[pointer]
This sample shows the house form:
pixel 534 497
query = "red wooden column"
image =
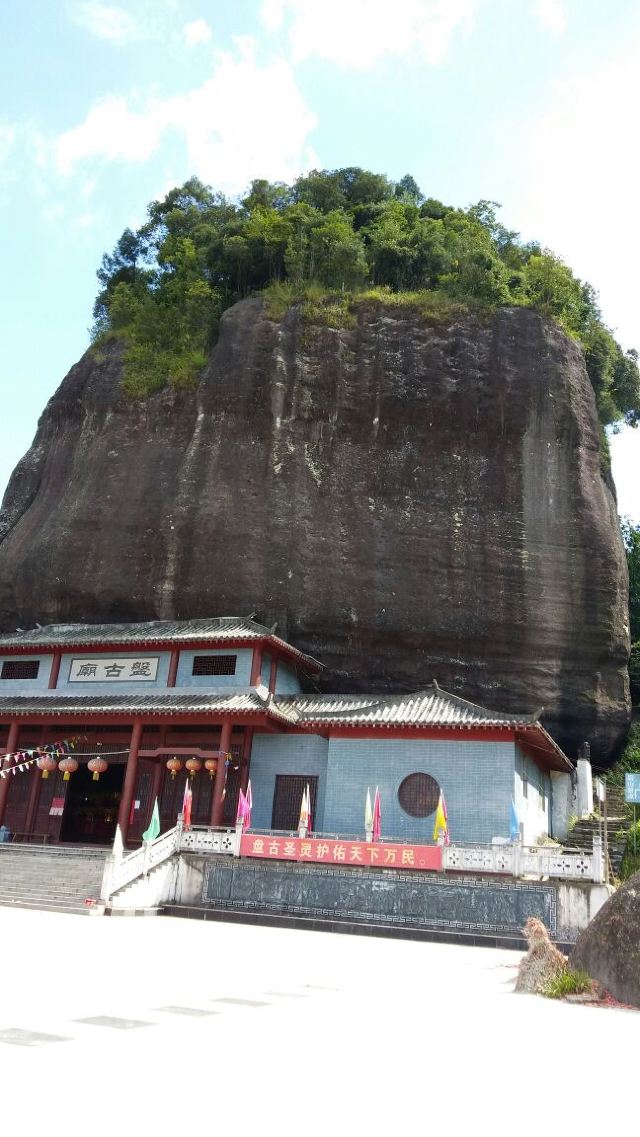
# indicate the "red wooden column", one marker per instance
pixel 217 799
pixel 129 780
pixel 246 758
pixel 55 670
pixel 256 666
pixel 173 667
pixel 12 744
pixel 34 792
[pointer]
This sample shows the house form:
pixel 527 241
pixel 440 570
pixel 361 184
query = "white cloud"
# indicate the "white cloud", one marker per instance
pixel 625 461
pixel 357 34
pixel 105 21
pixel 7 140
pixel 198 31
pixel 245 121
pixel 550 15
pixel 581 196
pixel 110 131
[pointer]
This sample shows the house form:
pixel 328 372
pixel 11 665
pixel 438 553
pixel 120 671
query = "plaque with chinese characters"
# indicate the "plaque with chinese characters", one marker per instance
pixel 106 670
pixel 343 853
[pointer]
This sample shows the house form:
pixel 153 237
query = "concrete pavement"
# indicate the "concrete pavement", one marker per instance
pixel 154 1024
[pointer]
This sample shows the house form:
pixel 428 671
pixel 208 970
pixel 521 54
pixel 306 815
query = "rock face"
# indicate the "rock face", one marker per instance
pixel 406 501
pixel 609 948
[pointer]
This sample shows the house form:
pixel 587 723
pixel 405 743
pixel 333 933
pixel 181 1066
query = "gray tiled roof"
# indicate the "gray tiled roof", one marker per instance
pixel 219 630
pixel 433 707
pixel 171 702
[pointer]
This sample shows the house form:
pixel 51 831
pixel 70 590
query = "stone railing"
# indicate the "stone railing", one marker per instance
pixel 506 860
pixel 121 871
pixel 527 860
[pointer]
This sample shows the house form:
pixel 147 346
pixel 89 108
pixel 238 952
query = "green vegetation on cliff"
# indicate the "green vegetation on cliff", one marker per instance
pixel 631 538
pixel 332 240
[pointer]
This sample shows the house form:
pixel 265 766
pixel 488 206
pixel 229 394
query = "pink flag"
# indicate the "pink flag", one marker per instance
pixel 310 819
pixel 248 802
pixel 377 816
pixel 447 838
pixel 186 804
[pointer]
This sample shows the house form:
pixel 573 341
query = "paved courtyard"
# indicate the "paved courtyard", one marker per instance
pixel 146 1025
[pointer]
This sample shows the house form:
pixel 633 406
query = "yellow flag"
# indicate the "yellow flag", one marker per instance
pixel 440 824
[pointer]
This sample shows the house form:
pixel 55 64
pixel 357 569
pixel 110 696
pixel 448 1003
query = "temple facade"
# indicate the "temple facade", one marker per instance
pixel 225 700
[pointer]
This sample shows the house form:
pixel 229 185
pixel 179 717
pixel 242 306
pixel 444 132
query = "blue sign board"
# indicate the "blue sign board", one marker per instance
pixel 632 788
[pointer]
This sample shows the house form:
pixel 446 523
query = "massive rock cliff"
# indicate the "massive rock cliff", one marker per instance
pixel 406 501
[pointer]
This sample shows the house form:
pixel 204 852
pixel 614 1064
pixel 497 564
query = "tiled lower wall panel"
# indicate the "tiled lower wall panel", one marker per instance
pixel 383 896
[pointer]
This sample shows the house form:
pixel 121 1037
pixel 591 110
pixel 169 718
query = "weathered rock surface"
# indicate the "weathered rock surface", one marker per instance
pixel 609 948
pixel 407 502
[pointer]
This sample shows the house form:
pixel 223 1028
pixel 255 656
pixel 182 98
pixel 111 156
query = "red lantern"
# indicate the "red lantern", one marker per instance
pixel 97 766
pixel 174 765
pixel 47 764
pixel 211 765
pixel 193 765
pixel 68 767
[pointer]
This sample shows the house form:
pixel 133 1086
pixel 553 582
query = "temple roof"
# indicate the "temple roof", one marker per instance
pixel 222 629
pixel 169 702
pixel 433 707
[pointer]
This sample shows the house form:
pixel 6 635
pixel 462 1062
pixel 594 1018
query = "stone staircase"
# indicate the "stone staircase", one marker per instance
pixel 59 878
pixel 586 828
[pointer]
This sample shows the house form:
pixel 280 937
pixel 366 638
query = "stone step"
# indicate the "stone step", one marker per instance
pixel 56 880
pixel 52 887
pixel 353 927
pixel 44 904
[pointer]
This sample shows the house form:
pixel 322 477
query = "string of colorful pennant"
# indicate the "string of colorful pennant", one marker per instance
pixel 23 759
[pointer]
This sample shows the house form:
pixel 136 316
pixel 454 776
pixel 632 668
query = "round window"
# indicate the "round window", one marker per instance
pixel 418 795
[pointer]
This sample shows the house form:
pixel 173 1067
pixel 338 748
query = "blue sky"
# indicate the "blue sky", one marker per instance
pixel 103 107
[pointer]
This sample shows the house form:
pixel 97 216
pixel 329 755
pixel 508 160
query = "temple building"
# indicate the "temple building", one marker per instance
pixel 141 705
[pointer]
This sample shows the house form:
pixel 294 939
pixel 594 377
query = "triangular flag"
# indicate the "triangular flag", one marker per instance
pixel 377 816
pixel 514 824
pixel 118 845
pixel 248 805
pixel 187 802
pixel 368 813
pixel 440 824
pixel 153 831
pixel 303 821
pixel 241 811
pixel 310 819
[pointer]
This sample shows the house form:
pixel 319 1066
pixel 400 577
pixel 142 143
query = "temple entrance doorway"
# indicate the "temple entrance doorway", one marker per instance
pixel 91 808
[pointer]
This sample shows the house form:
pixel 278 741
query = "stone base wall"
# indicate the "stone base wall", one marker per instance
pixel 385 897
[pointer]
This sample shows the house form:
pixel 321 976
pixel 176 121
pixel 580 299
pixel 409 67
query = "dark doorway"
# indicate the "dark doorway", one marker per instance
pixel 287 800
pixel 91 808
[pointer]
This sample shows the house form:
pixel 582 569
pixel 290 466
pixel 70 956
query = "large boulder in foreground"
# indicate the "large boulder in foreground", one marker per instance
pixel 609 948
pixel 406 501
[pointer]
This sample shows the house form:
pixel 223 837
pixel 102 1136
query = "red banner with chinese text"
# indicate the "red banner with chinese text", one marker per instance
pixel 329 851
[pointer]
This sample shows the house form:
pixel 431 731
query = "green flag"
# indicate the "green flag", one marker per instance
pixel 153 831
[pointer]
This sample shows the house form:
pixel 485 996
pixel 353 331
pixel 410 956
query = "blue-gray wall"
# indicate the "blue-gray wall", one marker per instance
pixel 287 682
pixel 475 777
pixel 9 687
pixel 273 754
pixel 241 679
pixel 532 796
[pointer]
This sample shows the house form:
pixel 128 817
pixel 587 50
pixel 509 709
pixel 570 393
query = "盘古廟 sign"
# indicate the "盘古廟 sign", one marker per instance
pixel 113 670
